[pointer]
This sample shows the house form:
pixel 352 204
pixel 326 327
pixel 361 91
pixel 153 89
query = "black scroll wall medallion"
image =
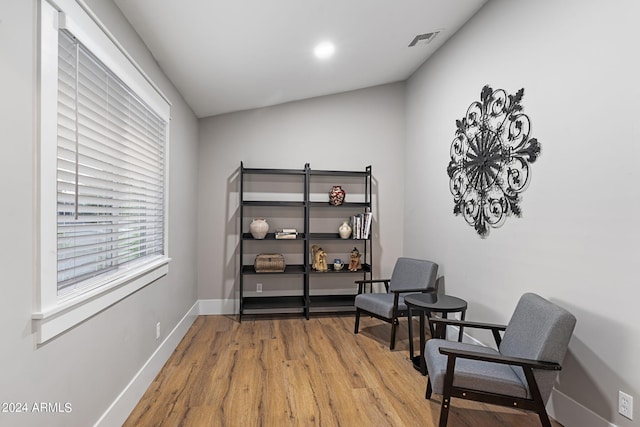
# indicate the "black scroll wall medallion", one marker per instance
pixel 491 157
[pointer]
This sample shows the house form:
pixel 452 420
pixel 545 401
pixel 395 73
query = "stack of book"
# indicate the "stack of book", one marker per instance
pixel 287 233
pixel 361 225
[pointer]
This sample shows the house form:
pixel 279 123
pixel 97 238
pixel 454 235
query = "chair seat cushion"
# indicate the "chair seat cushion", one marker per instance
pixel 472 374
pixel 379 303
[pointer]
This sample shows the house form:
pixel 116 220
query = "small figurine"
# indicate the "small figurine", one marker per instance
pixel 319 258
pixel 314 249
pixel 354 262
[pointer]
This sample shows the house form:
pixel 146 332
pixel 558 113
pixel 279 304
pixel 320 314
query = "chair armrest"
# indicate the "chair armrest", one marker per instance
pixel 372 281
pixel 499 358
pixel 420 290
pixel 361 284
pixel 467 324
pixel 495 329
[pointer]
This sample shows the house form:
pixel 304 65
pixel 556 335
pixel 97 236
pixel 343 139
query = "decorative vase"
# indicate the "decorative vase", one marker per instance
pixel 259 228
pixel 344 230
pixel 336 195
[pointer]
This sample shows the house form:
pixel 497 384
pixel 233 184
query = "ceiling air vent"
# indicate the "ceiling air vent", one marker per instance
pixel 424 38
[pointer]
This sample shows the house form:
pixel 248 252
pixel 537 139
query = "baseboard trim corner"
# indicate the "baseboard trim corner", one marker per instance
pixel 209 307
pixel 121 408
pixel 570 413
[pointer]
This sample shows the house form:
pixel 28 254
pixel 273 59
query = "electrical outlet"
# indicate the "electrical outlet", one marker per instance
pixel 158 330
pixel 625 405
pixel 258 287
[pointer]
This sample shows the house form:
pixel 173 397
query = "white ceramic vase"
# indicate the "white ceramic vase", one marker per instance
pixel 259 228
pixel 345 230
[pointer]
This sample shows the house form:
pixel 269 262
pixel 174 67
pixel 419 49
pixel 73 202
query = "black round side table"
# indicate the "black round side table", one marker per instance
pixel 425 304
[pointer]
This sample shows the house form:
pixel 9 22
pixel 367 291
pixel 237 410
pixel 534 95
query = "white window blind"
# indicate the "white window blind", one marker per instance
pixel 110 172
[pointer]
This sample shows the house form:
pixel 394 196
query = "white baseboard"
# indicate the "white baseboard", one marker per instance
pixel 452 334
pixel 119 410
pixel 570 413
pixel 218 306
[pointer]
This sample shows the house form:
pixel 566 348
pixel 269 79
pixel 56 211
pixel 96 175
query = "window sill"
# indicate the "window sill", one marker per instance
pixel 53 321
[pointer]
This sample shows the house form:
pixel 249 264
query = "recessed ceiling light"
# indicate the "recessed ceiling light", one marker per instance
pixel 324 50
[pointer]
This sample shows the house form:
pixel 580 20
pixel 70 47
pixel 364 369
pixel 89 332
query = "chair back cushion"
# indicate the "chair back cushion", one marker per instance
pixel 412 274
pixel 538 330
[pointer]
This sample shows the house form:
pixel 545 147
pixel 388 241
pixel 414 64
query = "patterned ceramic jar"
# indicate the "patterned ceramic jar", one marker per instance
pixel 336 195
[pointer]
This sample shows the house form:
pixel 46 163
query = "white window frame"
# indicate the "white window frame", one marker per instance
pixel 53 314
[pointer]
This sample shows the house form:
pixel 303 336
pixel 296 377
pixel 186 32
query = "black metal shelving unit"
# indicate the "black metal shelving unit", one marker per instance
pixel 323 302
pixel 310 299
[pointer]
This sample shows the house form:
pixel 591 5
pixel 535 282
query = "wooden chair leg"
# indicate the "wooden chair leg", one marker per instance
pixel 355 331
pixel 544 418
pixel 444 411
pixel 394 326
pixel 446 391
pixel 537 398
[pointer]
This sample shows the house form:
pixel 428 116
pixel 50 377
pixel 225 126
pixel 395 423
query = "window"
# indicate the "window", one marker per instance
pixel 110 171
pixel 103 140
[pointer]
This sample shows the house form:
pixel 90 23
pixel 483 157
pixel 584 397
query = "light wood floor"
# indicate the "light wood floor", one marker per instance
pixel 288 371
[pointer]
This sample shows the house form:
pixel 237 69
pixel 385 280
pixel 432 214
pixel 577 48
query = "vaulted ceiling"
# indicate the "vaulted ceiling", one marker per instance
pixel 226 56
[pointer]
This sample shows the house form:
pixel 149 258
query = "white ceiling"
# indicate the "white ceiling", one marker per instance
pixel 226 55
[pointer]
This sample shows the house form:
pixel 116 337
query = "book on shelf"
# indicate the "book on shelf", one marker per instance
pixel 361 225
pixel 355 227
pixel 366 227
pixel 286 236
pixel 287 233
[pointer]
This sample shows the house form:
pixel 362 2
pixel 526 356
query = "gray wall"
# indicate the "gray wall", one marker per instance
pixel 89 365
pixel 577 240
pixel 340 132
pixel 575 244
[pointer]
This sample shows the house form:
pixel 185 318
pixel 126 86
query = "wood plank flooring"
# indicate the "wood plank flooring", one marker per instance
pixel 288 371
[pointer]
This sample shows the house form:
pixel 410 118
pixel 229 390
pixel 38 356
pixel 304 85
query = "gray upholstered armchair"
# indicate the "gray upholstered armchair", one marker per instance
pixel 520 374
pixel 409 276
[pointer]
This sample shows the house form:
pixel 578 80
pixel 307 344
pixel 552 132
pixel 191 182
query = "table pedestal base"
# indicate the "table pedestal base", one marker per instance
pixel 425 304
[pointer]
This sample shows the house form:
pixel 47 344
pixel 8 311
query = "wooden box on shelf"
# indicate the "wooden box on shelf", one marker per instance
pixel 269 263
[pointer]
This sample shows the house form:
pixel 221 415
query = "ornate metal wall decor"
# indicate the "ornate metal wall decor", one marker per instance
pixel 491 157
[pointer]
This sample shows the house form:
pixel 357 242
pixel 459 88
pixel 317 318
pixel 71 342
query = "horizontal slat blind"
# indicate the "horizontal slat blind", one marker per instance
pixel 110 171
